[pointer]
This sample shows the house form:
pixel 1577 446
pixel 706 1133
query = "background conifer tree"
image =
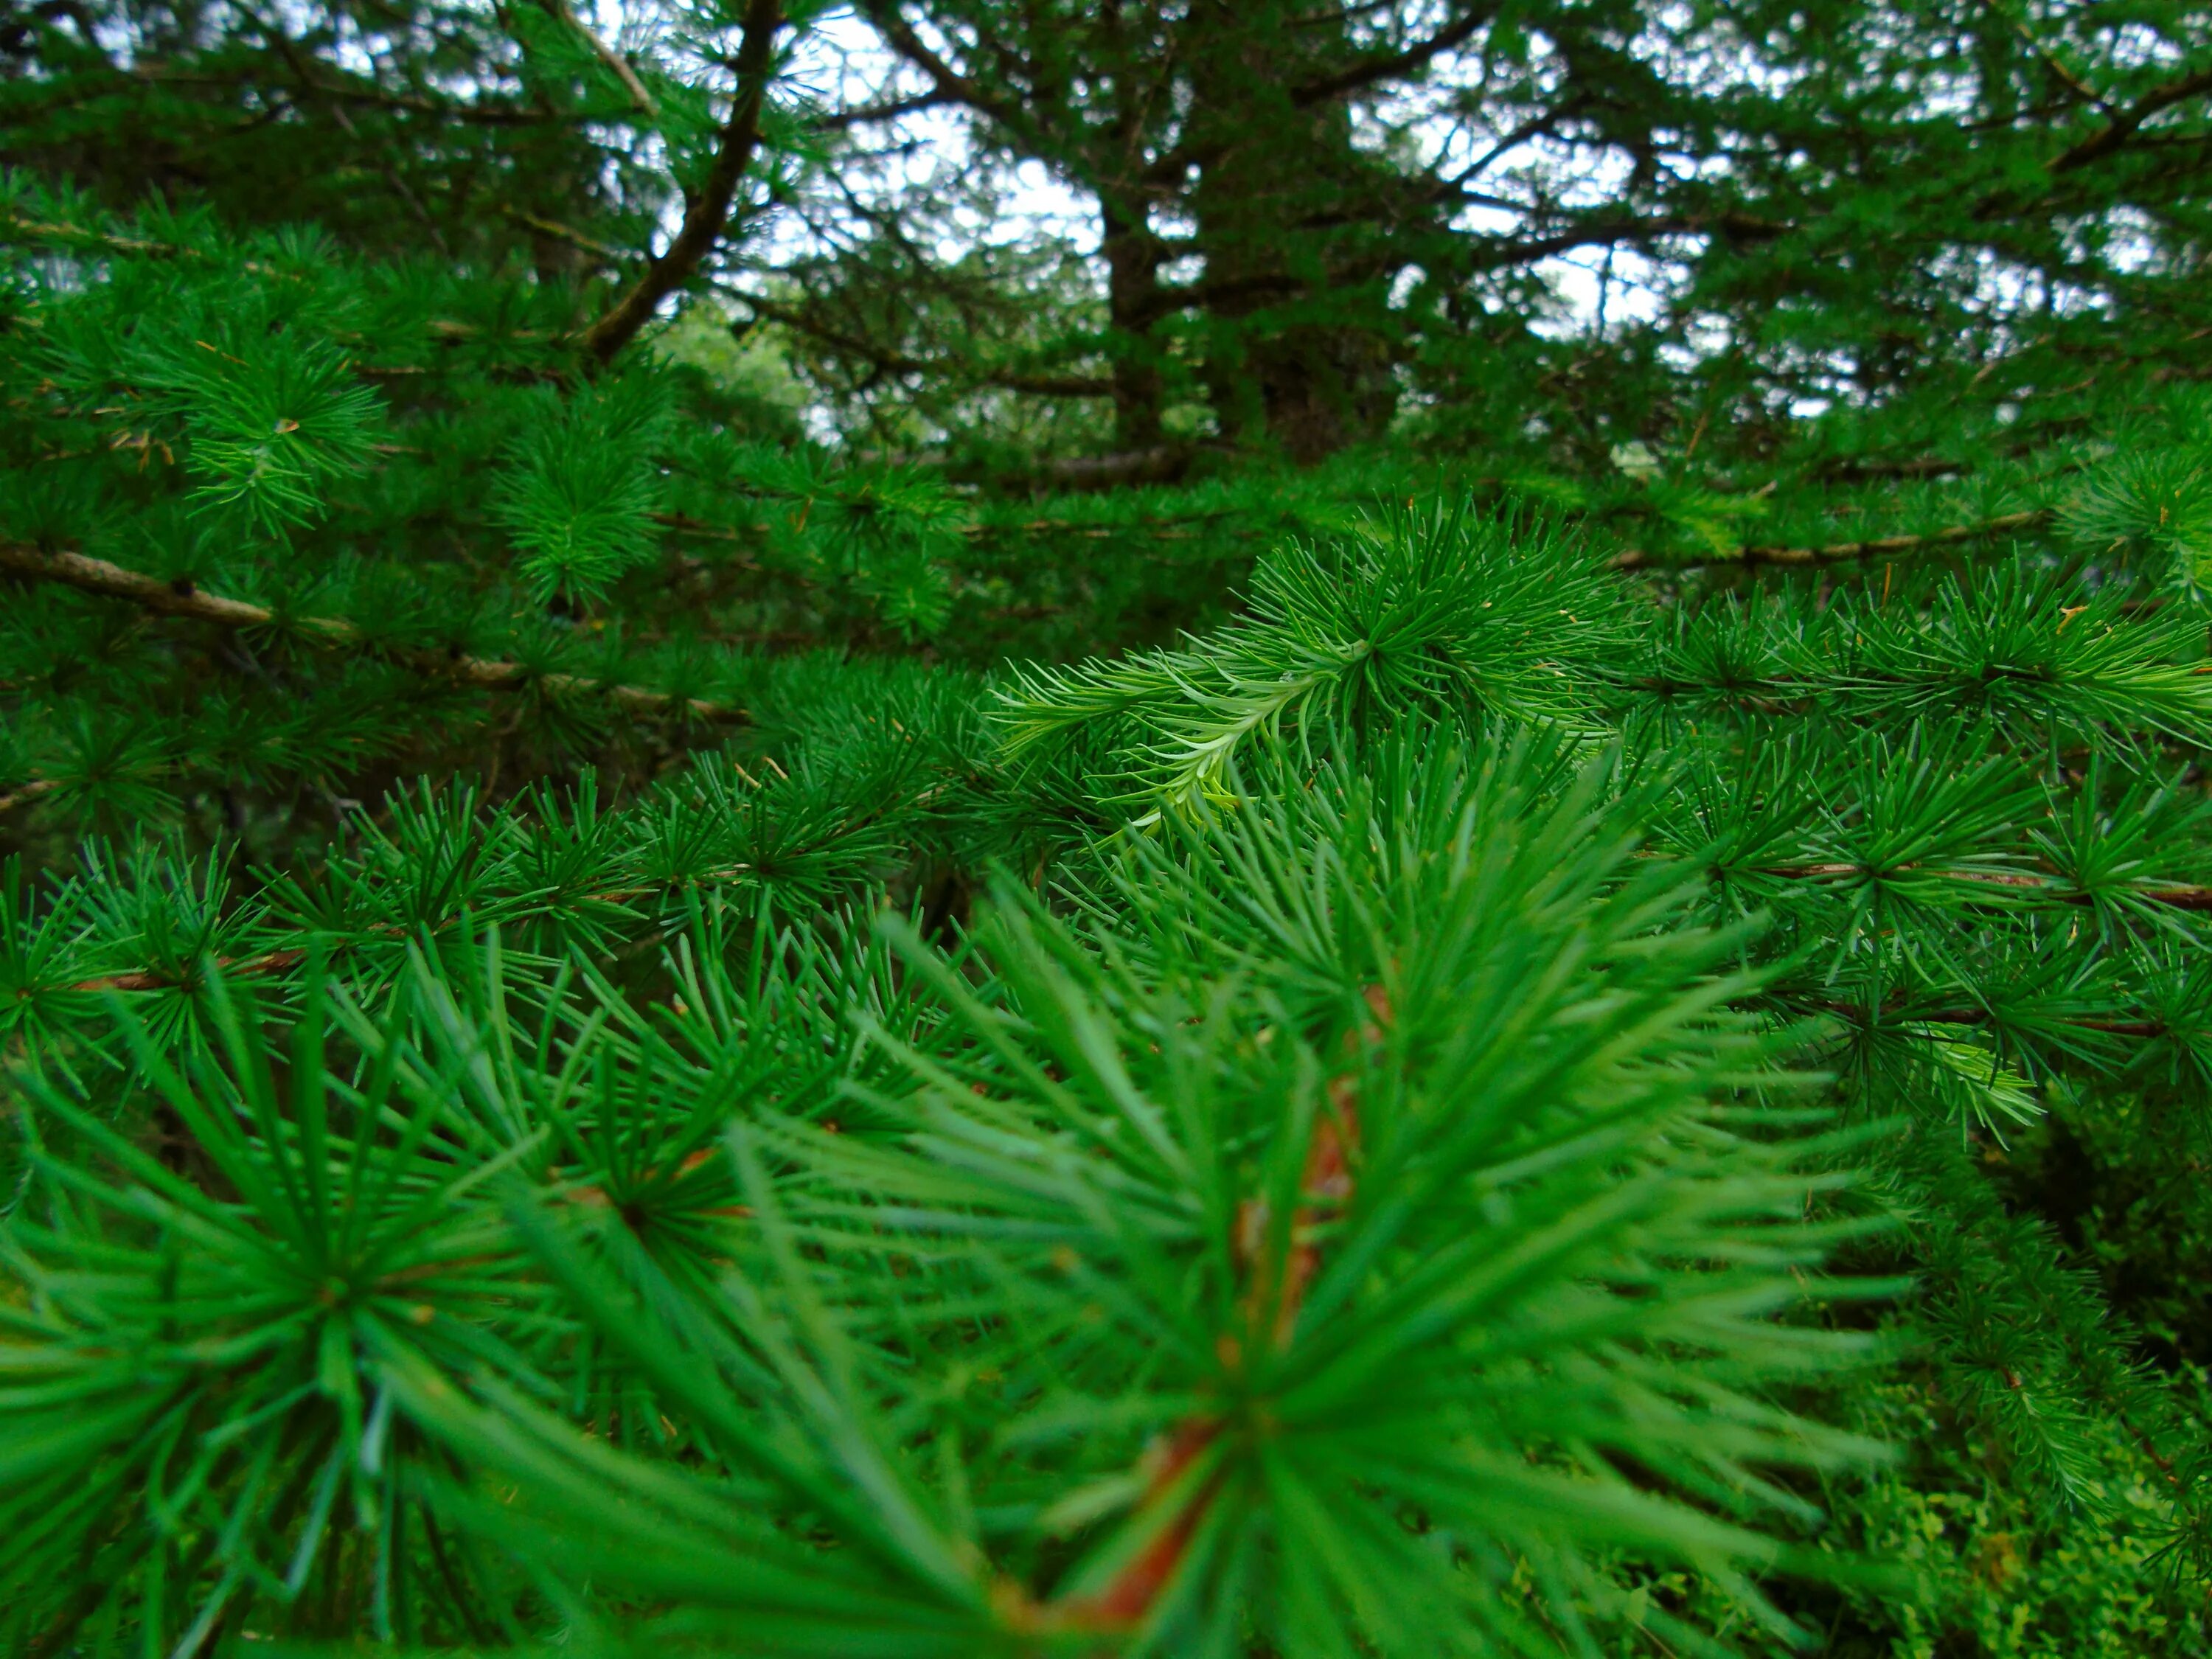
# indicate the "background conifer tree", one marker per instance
pixel 1246 830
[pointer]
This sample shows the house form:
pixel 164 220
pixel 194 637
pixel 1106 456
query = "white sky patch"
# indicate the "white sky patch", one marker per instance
pixel 842 63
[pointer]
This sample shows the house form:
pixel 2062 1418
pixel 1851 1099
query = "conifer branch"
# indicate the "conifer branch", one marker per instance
pixel 181 598
pixel 1389 65
pixel 1974 1014
pixel 618 65
pixel 708 210
pixel 890 110
pixel 1362 1187
pixel 79 236
pixel 66 234
pixel 23 794
pixel 1837 552
pixel 1161 464
pixel 888 362
pixel 1172 1508
pixel 2024 882
pixel 568 233
pixel 2116 133
pixel 951 86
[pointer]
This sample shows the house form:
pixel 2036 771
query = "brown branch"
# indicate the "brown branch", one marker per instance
pixel 78 236
pixel 951 86
pixel 894 362
pixel 889 111
pixel 618 65
pixel 43 230
pixel 1859 1012
pixel 270 961
pixel 27 793
pixel 1275 1284
pixel 567 233
pixel 2115 134
pixel 373 97
pixel 2051 61
pixel 1170 167
pixel 2042 886
pixel 1732 226
pixel 1638 559
pixel 1151 529
pixel 1385 66
pixel 708 211
pixel 1852 469
pixel 182 599
pixel 1163 464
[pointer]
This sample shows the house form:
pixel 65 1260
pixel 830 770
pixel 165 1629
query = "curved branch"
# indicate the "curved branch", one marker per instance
pixel 952 86
pixel 894 362
pixel 709 210
pixel 2115 134
pixel 1367 72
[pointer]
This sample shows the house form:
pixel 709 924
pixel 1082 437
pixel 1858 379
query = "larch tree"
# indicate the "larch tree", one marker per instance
pixel 998 827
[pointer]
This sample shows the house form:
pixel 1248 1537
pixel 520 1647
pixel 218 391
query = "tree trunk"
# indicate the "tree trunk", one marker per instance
pixel 1133 262
pixel 1291 363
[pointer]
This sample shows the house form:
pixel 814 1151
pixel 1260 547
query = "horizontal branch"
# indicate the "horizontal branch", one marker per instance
pixel 1837 552
pixel 889 111
pixel 283 958
pixel 1149 529
pixel 1732 226
pixel 1975 1015
pixel 13 227
pixel 1854 469
pixel 886 360
pixel 1161 464
pixel 2051 887
pixel 182 599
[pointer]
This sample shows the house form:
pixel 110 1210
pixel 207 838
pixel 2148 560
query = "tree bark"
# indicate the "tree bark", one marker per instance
pixel 1291 364
pixel 1132 255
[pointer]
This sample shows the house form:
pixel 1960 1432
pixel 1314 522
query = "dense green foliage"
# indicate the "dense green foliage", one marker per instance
pixel 1211 829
